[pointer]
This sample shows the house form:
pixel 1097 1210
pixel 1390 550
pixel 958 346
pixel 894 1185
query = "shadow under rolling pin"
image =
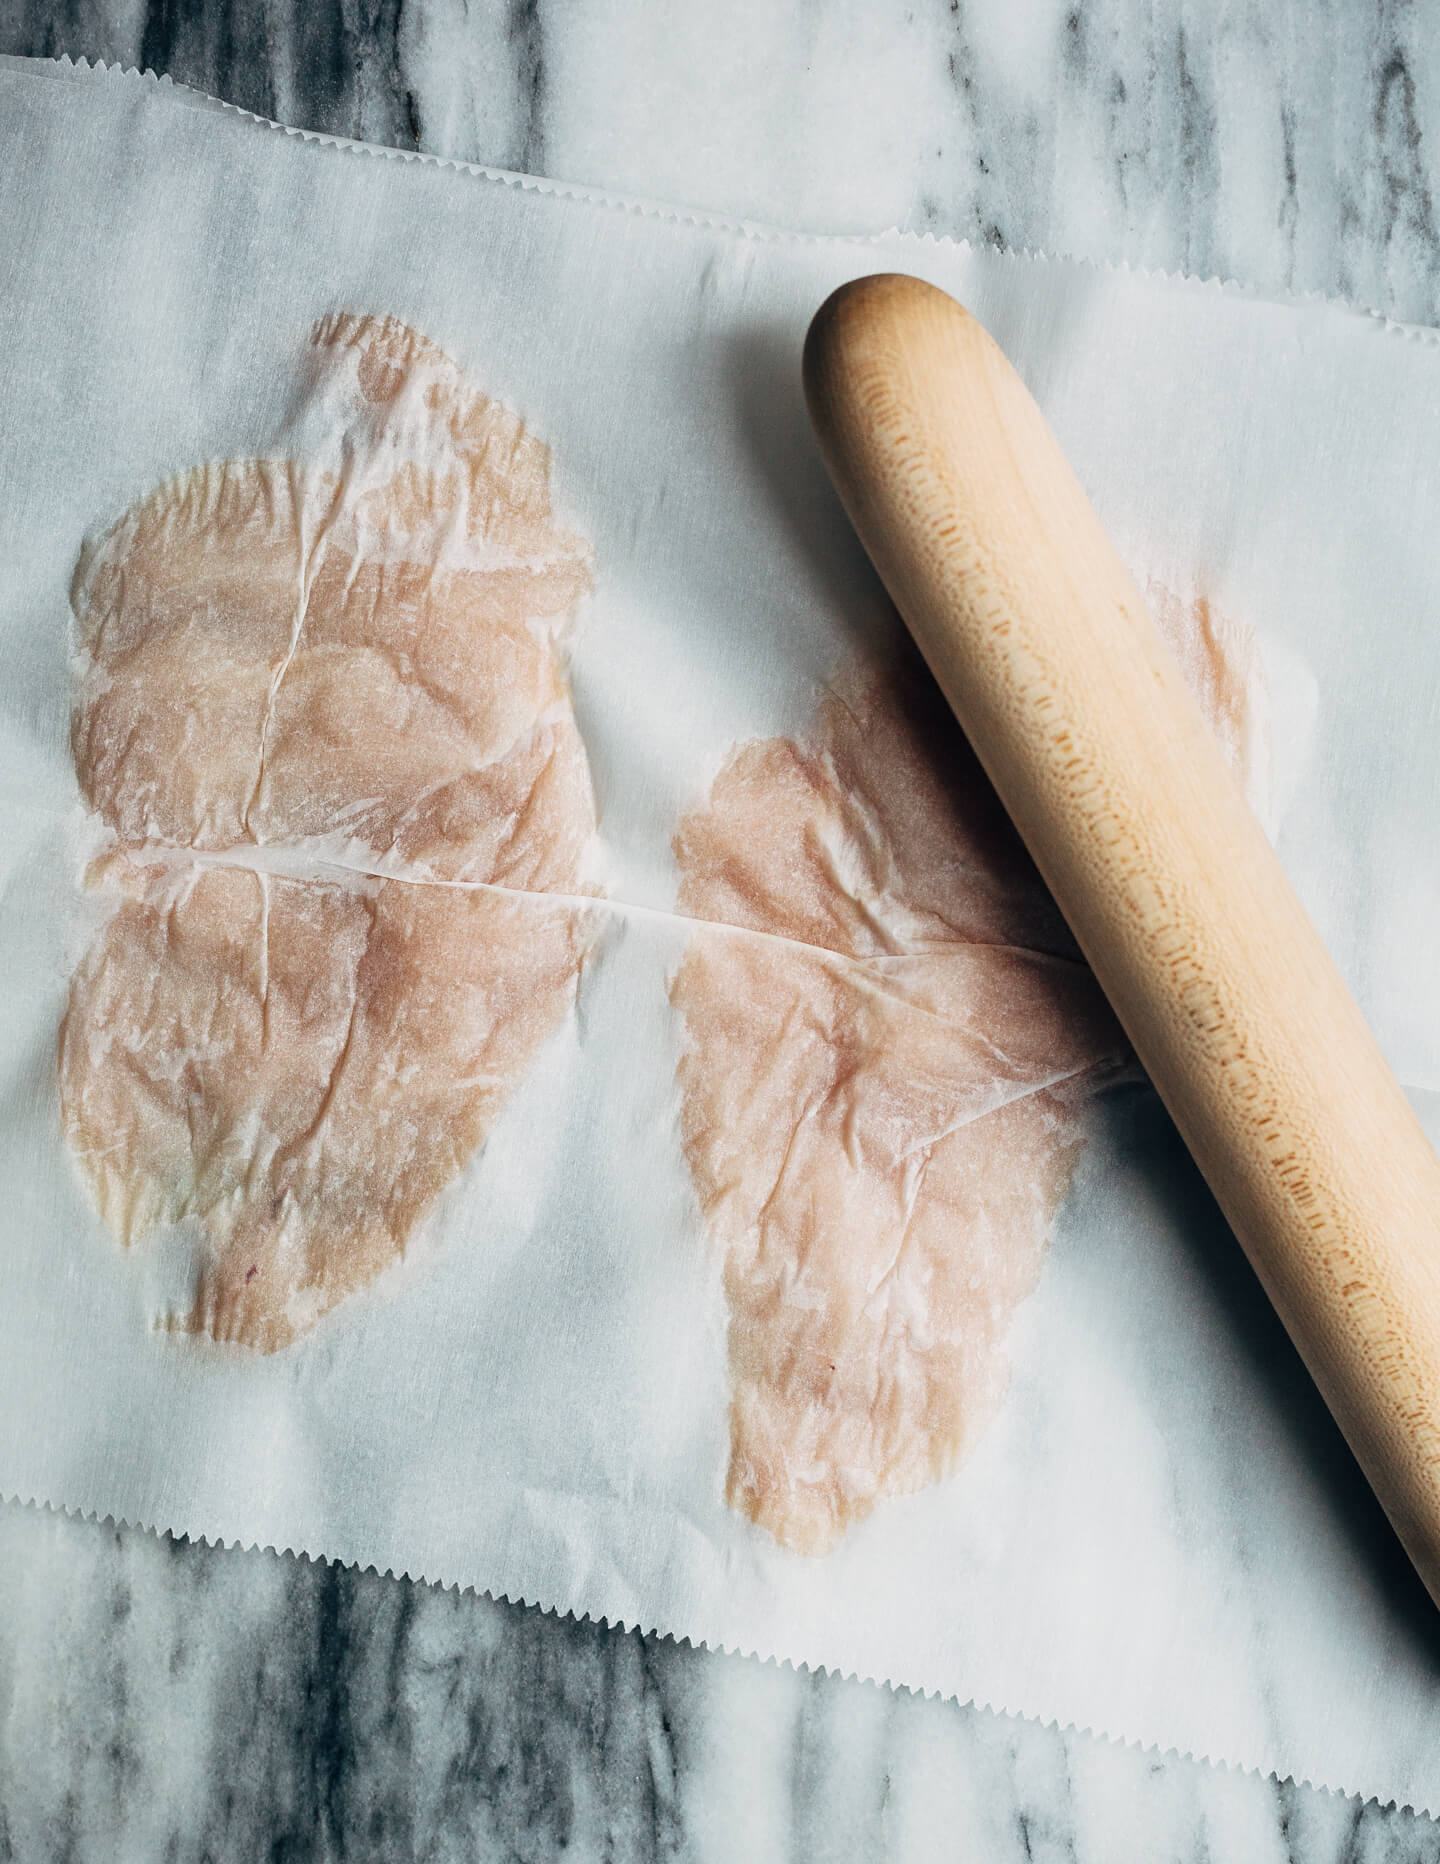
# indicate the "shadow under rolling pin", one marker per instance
pixel 1081 717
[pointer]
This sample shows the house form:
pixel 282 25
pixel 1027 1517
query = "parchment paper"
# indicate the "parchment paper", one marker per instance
pixel 1162 1536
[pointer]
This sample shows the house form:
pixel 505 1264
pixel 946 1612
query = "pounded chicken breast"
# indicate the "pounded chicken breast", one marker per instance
pixel 297 676
pixel 883 1087
pixel 302 1067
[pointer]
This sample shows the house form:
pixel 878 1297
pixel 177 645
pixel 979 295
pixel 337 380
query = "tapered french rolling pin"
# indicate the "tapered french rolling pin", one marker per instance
pixel 1082 719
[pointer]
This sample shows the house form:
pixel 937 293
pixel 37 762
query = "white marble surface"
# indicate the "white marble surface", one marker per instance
pixel 1293 145
pixel 164 1701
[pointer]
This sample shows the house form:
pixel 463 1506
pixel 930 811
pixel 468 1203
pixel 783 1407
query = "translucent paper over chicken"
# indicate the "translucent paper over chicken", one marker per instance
pixel 323 710
pixel 324 718
pixel 883 1087
pixel 359 646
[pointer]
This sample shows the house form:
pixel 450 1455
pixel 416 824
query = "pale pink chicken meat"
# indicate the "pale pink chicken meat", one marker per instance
pixel 1220 659
pixel 358 646
pixel 883 1090
pixel 303 1067
pixel 343 666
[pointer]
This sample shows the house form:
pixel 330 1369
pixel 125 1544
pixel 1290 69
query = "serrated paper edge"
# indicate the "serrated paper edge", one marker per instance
pixel 98 71
pixel 101 1516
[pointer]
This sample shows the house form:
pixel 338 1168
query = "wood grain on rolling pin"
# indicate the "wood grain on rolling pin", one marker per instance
pixel 1080 715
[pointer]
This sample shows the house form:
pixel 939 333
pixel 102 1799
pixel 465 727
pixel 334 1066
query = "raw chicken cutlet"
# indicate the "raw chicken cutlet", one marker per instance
pixel 301 1067
pixel 323 709
pixel 361 646
pixel 883 1093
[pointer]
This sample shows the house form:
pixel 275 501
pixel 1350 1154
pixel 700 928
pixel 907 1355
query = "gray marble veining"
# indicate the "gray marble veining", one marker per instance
pixel 1281 144
pixel 173 1701
pixel 1291 144
pixel 168 1700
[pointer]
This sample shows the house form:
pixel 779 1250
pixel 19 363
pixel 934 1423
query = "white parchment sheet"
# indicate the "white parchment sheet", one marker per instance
pixel 1162 1536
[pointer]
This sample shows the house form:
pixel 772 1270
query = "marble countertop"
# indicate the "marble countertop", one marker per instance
pixel 168 1700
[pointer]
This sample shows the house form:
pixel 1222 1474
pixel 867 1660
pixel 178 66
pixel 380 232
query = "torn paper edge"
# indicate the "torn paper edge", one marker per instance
pixel 98 71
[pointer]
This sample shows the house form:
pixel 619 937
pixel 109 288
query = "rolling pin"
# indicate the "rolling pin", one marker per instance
pixel 1081 717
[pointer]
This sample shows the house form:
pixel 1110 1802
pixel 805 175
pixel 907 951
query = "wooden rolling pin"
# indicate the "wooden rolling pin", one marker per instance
pixel 1080 715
